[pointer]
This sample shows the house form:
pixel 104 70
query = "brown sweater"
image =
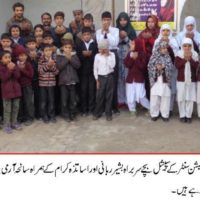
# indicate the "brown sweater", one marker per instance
pixel 180 65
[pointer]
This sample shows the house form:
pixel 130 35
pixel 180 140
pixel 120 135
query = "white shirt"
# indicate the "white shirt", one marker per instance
pixel 112 36
pixel 104 65
pixel 88 44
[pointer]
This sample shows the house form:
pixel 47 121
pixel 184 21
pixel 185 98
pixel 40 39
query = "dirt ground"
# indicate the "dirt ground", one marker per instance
pixel 124 134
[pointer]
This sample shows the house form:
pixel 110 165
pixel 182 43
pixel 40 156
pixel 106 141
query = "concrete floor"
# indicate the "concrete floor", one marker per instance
pixel 123 134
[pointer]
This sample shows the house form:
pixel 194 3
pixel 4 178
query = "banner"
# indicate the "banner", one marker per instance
pixel 139 10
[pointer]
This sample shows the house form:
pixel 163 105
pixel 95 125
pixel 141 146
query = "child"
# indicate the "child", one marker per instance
pixel 148 37
pixel 48 39
pixel 38 30
pixel 160 68
pixel 67 64
pixel 186 63
pixel 6 43
pixel 104 65
pixel 15 33
pixel 190 31
pixel 87 49
pixel 87 22
pixel 126 34
pixel 47 81
pixel 135 87
pixel 26 113
pixel 59 31
pixel 76 25
pixel 173 48
pixel 34 56
pixel 11 91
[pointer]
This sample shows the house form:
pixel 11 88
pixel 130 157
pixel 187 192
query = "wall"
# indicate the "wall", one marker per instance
pixel 5 13
pixel 34 8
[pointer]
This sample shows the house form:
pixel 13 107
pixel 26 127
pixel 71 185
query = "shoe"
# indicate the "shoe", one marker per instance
pixel 183 120
pixel 7 129
pixel 53 120
pixel 84 115
pixel 67 119
pixel 116 112
pixel 165 119
pixel 73 117
pixel 28 123
pixel 45 120
pixel 95 117
pixel 16 126
pixel 189 120
pixel 133 113
pixel 109 118
pixel 154 119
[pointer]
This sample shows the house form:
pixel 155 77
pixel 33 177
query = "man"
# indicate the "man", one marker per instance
pixel 19 19
pixel 46 19
pixel 112 35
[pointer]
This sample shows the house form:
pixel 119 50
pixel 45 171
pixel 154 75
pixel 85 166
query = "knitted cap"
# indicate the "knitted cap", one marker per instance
pixel 67 36
pixel 20 50
pixel 103 44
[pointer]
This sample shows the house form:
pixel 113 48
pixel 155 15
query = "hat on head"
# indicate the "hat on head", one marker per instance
pixel 20 50
pixel 78 11
pixel 103 44
pixel 67 36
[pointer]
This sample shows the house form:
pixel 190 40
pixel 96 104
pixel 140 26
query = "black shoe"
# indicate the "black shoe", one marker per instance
pixel 189 120
pixel 165 119
pixel 45 120
pixel 73 117
pixel 95 117
pixel 28 123
pixel 53 120
pixel 84 114
pixel 67 119
pixel 116 112
pixel 109 118
pixel 183 120
pixel 154 119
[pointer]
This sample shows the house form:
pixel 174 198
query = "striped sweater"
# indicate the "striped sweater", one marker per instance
pixel 47 75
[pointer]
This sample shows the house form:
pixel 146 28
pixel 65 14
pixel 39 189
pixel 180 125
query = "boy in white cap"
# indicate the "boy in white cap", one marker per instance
pixel 104 65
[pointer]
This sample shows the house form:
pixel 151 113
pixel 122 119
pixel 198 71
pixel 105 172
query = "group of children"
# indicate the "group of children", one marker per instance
pixel 47 71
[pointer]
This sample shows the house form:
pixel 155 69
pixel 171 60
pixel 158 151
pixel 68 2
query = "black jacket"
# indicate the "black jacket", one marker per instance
pixel 86 62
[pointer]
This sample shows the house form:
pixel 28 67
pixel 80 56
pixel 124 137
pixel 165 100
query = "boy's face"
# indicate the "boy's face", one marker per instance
pixel 106 22
pixel 39 40
pixel 38 32
pixel 67 49
pixel 123 22
pixel 78 16
pixel 87 23
pixel 190 27
pixel 103 51
pixel 19 12
pixel 46 20
pixel 87 36
pixel 6 43
pixel 6 59
pixel 48 40
pixel 187 48
pixel 48 52
pixel 31 45
pixel 59 21
pixel 15 32
pixel 23 57
pixel 165 33
pixel 163 50
pixel 150 23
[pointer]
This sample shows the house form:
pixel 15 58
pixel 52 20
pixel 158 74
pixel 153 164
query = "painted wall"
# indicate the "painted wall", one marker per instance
pixel 34 8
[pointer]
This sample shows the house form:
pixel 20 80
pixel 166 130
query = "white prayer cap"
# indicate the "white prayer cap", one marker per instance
pixel 187 41
pixel 103 44
pixel 165 27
